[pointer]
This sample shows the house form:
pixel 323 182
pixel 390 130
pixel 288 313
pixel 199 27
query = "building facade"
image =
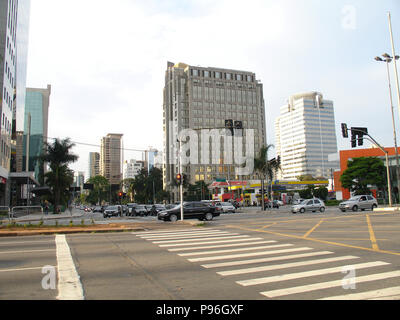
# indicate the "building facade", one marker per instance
pixel 36 120
pixel 94 164
pixel 305 136
pixel 111 157
pixel 79 179
pixel 199 98
pixel 14 28
pixel 132 168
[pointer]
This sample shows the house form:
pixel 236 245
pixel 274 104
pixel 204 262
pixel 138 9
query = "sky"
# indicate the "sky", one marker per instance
pixel 106 61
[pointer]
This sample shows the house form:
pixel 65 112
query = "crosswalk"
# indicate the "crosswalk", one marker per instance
pixel 278 269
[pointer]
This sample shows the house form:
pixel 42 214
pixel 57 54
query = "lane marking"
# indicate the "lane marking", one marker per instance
pixel 202 235
pixel 22 242
pixel 312 229
pixel 208 242
pixel 167 231
pixel 232 250
pixel 27 251
pixel 305 274
pixel 372 234
pixel 178 234
pixel 374 294
pixel 21 269
pixel 316 240
pixel 284 265
pixel 69 284
pixel 250 261
pixel 329 284
pixel 223 245
pixel 253 254
pixel 234 236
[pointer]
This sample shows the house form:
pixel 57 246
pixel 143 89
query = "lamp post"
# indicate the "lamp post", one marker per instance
pixel 388 59
pixel 394 61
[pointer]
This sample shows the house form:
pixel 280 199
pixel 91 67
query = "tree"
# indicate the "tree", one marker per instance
pixel 101 189
pixel 58 155
pixel 321 193
pixel 362 172
pixel 306 177
pixel 266 169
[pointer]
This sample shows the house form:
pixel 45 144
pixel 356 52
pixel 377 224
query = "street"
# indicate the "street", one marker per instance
pixel 250 255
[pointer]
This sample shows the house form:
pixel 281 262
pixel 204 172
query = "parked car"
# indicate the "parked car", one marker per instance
pixel 359 202
pixel 98 209
pixel 170 206
pixel 141 210
pixel 309 205
pixel 125 209
pixel 112 211
pixel 275 204
pixel 130 207
pixel 225 207
pixel 191 210
pixel 298 201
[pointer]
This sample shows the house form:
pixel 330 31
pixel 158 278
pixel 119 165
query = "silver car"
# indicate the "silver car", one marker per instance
pixel 309 205
pixel 359 202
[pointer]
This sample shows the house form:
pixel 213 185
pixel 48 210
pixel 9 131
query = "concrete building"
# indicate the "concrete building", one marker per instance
pixel 14 34
pixel 132 168
pixel 111 157
pixel 94 164
pixel 305 136
pixel 203 98
pixel 149 158
pixel 79 179
pixel 37 102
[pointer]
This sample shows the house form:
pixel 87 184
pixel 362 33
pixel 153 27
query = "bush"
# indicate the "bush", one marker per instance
pixel 332 202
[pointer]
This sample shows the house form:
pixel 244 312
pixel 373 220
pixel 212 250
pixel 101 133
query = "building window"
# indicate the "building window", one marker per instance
pixel 195 72
pixel 206 74
pixel 239 77
pixel 218 75
pixel 229 76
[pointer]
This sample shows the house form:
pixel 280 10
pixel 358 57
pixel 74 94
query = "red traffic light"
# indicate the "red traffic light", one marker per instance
pixel 120 194
pixel 179 177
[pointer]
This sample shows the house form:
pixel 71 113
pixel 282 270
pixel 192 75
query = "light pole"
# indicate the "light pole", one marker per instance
pixel 394 61
pixel 387 58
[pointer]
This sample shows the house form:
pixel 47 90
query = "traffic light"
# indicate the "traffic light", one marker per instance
pixel 229 125
pixel 345 134
pixel 357 135
pixel 353 139
pixel 120 194
pixel 179 178
pixel 238 125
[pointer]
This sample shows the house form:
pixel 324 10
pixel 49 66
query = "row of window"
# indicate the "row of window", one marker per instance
pixel 228 95
pixel 221 75
pixel 12 17
pixel 7 98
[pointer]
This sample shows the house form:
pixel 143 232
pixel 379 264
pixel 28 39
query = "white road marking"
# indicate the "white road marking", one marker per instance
pixel 374 294
pixel 20 269
pixel 284 265
pixel 27 251
pixel 252 254
pixel 305 274
pixel 69 284
pixel 250 261
pixel 192 235
pixel 234 236
pixel 28 242
pixel 222 245
pixel 329 284
pixel 167 231
pixel 233 250
pixel 179 233
pixel 205 241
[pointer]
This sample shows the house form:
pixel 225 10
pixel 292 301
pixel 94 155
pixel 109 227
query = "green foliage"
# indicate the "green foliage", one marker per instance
pixel 198 191
pixel 307 193
pixel 58 155
pixel 100 192
pixel 147 183
pixel 362 172
pixel 306 177
pixel 321 193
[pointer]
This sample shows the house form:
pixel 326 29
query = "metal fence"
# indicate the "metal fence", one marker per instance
pixel 25 211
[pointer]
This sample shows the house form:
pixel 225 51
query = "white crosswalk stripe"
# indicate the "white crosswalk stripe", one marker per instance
pixel 284 266
pixel 387 294
pixel 215 246
pixel 328 284
pixel 229 245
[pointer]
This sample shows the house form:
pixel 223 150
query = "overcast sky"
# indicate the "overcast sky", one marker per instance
pixel 106 60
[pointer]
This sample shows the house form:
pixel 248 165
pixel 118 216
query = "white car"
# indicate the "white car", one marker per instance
pixel 226 207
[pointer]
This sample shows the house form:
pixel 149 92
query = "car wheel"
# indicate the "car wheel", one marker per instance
pixel 173 217
pixel 322 209
pixel 302 210
pixel 208 216
pixel 343 210
pixel 355 208
pixel 373 207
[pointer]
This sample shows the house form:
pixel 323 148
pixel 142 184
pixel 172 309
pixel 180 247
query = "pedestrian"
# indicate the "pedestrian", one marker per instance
pixel 46 207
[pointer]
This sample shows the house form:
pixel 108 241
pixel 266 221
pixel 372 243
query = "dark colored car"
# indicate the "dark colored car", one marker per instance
pixel 275 204
pixel 112 211
pixel 191 210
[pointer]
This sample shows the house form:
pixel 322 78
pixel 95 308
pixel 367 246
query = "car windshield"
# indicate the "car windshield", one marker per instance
pixel 354 198
pixel 304 202
pixel 111 208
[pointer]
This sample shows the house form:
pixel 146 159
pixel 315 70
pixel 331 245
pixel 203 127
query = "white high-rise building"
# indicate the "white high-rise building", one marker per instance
pixel 305 136
pixel 132 168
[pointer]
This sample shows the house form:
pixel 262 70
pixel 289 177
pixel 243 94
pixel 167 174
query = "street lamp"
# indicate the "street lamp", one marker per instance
pixel 387 58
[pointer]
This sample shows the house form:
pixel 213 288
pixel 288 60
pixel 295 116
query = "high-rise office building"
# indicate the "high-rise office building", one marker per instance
pixel 111 157
pixel 36 121
pixel 305 136
pixel 14 27
pixel 132 168
pixel 150 156
pixel 204 98
pixel 94 164
pixel 79 179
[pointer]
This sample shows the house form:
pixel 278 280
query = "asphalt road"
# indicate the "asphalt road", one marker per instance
pixel 249 255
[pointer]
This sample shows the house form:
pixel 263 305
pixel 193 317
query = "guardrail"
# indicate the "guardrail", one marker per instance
pixel 23 211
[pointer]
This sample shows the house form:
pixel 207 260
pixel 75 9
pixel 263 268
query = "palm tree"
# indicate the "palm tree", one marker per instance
pixel 265 168
pixel 59 178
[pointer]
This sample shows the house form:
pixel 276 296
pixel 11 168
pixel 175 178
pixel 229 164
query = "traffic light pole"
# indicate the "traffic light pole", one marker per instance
pixel 387 161
pixel 181 181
